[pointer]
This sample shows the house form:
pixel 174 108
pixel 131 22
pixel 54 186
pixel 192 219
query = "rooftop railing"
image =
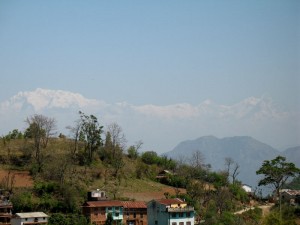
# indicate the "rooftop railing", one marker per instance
pixel 185 209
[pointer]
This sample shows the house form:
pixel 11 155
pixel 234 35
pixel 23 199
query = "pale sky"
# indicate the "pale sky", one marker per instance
pixel 159 53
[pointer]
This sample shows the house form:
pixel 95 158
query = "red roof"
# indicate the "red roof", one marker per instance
pixel 134 205
pixel 103 204
pixel 170 201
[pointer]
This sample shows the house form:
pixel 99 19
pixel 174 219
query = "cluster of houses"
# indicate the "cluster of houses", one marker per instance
pixel 30 218
pixel 156 212
pixel 98 207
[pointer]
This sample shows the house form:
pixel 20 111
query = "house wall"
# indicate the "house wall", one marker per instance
pixel 117 212
pixel 135 217
pixel 158 215
pixel 155 214
pixel 98 215
pixel 184 218
pixel 5 214
pixel 21 221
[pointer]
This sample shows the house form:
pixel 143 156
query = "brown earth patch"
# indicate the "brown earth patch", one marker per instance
pixel 19 178
pixel 148 196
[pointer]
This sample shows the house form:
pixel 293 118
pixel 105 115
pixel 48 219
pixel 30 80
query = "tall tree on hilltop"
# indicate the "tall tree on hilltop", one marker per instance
pixel 112 152
pixel 40 129
pixel 90 134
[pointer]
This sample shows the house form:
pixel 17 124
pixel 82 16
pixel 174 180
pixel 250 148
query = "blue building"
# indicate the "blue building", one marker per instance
pixel 170 212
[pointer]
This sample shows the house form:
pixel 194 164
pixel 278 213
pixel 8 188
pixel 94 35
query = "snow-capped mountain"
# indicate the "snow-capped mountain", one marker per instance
pixel 158 126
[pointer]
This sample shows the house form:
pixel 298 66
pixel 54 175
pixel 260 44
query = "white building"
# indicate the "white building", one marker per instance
pixel 247 188
pixel 30 218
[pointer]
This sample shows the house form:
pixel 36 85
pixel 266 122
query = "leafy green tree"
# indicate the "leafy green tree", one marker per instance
pixel 109 219
pixel 132 152
pixel 14 134
pixel 90 134
pixel 150 157
pixel 276 172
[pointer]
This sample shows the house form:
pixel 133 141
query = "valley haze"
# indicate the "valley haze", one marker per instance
pixel 160 127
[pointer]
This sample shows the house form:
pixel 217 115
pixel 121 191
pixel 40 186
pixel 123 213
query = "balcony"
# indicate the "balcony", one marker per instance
pixel 185 209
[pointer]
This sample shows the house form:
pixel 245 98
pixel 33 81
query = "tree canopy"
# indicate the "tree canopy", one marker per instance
pixel 276 172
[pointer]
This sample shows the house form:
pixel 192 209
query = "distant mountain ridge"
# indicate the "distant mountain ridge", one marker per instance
pixel 248 152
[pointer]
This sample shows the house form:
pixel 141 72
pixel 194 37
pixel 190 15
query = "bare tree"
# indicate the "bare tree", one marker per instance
pixel 40 129
pixel 117 135
pixel 232 169
pixel 75 134
pixel 197 160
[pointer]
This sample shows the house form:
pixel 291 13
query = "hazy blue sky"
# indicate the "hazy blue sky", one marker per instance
pixel 153 52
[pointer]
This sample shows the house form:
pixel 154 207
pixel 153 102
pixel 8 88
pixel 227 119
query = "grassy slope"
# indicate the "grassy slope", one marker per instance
pixel 127 187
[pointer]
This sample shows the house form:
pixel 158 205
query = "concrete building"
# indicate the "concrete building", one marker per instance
pixel 170 212
pixel 30 218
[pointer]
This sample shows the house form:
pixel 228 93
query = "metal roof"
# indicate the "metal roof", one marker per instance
pixel 31 215
pixel 104 204
pixel 134 204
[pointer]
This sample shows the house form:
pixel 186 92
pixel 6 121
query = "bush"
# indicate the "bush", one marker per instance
pixel 69 219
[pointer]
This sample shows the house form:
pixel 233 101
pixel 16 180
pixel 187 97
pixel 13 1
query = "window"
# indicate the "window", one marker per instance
pixel 117 208
pixel 188 223
pixel 181 214
pixel 173 215
pixel 141 215
pixel 109 208
pixel 156 222
pixel 117 214
pixel 181 223
pixel 36 219
pixel 188 214
pixel 174 223
pixel 134 215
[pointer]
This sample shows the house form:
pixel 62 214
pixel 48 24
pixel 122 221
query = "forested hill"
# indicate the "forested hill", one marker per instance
pixel 248 152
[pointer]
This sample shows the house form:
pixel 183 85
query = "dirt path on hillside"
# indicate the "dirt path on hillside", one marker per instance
pixel 265 209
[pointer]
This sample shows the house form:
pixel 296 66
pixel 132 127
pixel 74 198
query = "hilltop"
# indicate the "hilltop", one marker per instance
pixel 248 152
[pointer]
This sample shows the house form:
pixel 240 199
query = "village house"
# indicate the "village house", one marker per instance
pixel 290 196
pixel 97 195
pixel 5 212
pixel 164 174
pixel 5 207
pixel 170 212
pixel 30 218
pixel 135 213
pixel 97 211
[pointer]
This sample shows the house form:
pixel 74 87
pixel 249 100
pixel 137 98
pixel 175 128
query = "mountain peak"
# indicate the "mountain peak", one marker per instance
pixel 41 99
